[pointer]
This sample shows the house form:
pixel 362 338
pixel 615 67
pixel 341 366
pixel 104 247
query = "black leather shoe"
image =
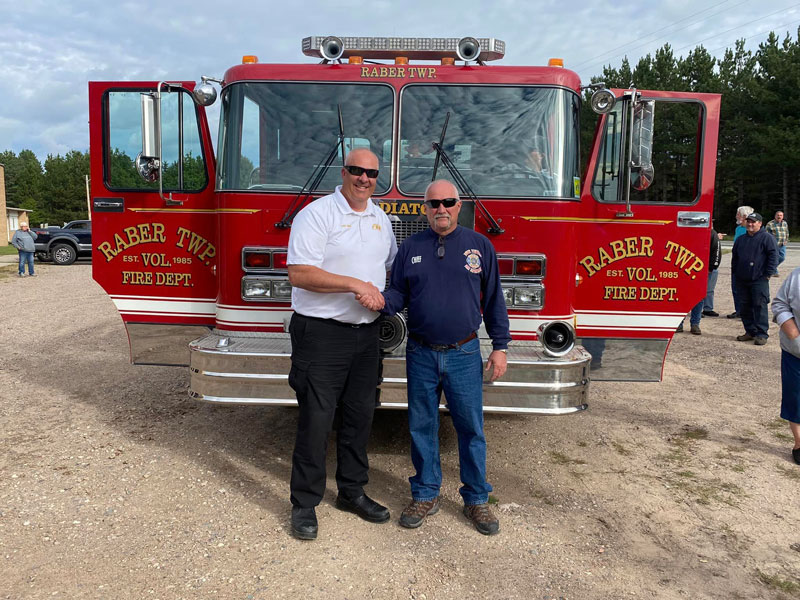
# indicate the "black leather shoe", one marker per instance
pixel 733 315
pixel 796 455
pixel 304 523
pixel 365 507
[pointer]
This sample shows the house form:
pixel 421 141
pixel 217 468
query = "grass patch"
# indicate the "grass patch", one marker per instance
pixel 563 459
pixel 784 437
pixel 687 474
pixel 493 499
pixel 582 444
pixel 676 455
pixel 7 271
pixel 784 585
pixel 789 472
pixel 621 449
pixel 697 433
pixel 776 423
pixel 8 250
pixel 708 492
pixel 739 468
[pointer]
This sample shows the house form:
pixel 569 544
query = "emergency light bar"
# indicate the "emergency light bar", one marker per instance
pixel 412 48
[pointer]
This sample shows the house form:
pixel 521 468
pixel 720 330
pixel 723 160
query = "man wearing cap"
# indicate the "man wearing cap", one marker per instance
pixel 340 246
pixel 779 229
pixel 448 278
pixel 754 261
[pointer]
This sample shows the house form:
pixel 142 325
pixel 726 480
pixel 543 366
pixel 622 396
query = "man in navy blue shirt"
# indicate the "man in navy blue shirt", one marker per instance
pixel 754 261
pixel 447 276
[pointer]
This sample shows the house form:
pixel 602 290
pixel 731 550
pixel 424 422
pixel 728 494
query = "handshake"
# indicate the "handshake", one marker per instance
pixel 370 296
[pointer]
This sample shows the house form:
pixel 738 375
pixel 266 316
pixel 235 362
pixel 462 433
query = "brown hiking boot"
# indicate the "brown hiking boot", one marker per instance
pixel 414 514
pixel 745 337
pixel 696 330
pixel 483 518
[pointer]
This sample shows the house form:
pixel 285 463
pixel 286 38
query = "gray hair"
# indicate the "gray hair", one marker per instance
pixel 447 181
pixel 743 211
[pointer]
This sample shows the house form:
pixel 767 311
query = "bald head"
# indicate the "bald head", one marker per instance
pixel 357 189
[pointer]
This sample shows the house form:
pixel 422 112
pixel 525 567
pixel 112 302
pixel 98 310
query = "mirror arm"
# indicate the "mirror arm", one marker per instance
pixel 629 166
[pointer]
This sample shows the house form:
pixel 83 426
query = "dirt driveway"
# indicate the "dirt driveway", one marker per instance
pixel 114 484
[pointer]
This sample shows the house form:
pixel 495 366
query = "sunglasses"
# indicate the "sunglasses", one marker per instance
pixel 448 202
pixel 359 171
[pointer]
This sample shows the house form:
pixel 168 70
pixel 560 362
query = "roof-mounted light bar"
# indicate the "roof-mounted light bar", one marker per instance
pixel 414 48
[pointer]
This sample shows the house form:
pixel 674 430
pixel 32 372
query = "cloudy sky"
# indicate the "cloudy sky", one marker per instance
pixel 50 49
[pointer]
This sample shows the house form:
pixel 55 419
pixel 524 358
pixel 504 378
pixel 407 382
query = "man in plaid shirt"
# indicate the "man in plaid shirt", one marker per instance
pixel 780 231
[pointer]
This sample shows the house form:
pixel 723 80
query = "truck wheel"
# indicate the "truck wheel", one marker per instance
pixel 63 254
pixel 43 256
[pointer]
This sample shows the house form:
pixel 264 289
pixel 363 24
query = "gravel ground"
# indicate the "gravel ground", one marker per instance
pixel 114 484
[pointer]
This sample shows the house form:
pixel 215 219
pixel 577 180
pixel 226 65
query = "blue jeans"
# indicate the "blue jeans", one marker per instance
pixel 25 257
pixel 712 283
pixel 697 313
pixel 459 374
pixel 781 254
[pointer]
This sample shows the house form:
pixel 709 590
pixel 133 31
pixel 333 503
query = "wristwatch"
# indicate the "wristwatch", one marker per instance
pixel 503 350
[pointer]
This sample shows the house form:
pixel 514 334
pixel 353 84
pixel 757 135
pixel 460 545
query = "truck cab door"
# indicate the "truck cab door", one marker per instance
pixel 154 252
pixel 642 260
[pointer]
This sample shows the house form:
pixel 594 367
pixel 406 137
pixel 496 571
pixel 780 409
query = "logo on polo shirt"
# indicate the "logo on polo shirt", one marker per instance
pixel 416 259
pixel 376 226
pixel 473 260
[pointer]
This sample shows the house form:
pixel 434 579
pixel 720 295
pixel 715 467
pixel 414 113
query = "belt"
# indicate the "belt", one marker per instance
pixel 442 347
pixel 339 323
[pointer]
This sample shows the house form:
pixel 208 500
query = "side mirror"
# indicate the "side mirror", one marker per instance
pixel 642 171
pixel 149 159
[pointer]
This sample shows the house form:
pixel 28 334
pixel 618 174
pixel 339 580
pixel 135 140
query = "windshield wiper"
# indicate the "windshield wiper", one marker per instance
pixel 463 186
pixel 316 177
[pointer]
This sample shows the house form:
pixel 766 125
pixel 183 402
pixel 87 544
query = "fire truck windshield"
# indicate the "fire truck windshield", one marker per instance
pixel 506 141
pixel 274 135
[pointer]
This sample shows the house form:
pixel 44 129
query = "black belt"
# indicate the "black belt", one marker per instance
pixel 442 347
pixel 339 323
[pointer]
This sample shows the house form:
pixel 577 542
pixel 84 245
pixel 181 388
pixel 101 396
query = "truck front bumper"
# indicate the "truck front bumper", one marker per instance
pixel 247 368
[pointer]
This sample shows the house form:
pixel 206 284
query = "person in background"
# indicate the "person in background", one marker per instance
pixel 754 261
pixel 23 240
pixel 779 229
pixel 785 311
pixel 741 215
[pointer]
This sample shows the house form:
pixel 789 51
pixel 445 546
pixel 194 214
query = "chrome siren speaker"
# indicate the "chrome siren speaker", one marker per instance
pixel 332 48
pixel 602 101
pixel 557 338
pixel 468 49
pixel 393 333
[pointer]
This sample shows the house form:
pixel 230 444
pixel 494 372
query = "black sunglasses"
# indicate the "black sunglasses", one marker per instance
pixel 448 202
pixel 358 171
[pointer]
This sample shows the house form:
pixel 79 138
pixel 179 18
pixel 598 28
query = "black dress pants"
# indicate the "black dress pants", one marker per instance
pixel 334 374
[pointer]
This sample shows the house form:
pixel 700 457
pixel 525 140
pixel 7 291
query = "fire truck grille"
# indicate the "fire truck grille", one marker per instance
pixel 404 229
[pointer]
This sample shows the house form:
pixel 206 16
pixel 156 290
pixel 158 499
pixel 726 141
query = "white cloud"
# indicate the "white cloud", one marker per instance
pixel 49 50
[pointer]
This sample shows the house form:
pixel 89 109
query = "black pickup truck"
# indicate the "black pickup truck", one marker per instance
pixel 63 245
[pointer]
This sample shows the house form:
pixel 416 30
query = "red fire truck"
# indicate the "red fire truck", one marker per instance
pixel 598 268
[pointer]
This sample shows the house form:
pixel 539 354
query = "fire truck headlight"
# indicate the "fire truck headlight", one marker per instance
pixel 508 295
pixel 281 289
pixel 256 289
pixel 531 296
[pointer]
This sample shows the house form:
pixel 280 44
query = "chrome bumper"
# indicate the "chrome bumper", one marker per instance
pixel 249 368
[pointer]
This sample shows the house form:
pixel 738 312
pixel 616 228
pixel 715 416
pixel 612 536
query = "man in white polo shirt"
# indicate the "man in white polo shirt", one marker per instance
pixel 340 246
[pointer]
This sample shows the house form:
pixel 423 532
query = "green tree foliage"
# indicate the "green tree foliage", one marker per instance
pixel 64 187
pixel 759 138
pixel 23 181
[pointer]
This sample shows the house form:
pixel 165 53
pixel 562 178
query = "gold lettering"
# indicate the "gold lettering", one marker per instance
pixel 365 71
pixel 401 71
pixel 384 71
pixel 619 249
pixel 590 266
pixel 431 73
pixel 392 71
pixel 105 248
